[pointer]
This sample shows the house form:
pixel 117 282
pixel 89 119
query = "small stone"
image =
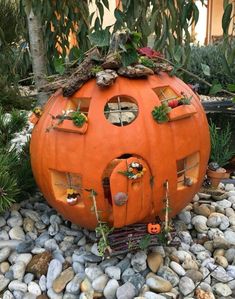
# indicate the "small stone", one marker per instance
pixel 4 267
pixel 8 295
pixel 3 282
pixel 34 288
pixel 221 243
pixel 158 284
pixel 28 278
pixel 52 295
pixel 224 203
pixel 222 261
pixel 54 270
pixel 126 291
pixel 138 261
pixel 73 286
pixel 86 286
pixel 186 285
pixel 25 246
pixel 201 294
pixel 230 237
pixel 61 281
pixel 53 229
pixel 199 223
pixel 230 254
pixel 23 257
pixel 113 272
pixel 15 219
pixel 2 222
pixel 43 283
pixel 124 264
pixel 39 264
pixel 229 187
pixel 4 253
pixel 17 285
pixel 100 282
pixel 168 274
pixel 93 272
pixel 195 275
pixel 182 255
pixel 17 233
pixel 152 295
pixel 4 235
pixel 28 225
pixel 202 209
pixel 189 263
pixel 154 260
pixel 185 216
pixel 222 289
pixel 110 289
pixel 51 245
pixel 18 270
pixel 177 268
pixel 219 273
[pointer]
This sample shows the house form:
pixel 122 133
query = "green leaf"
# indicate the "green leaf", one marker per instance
pixel 145 242
pixel 227 18
pixel 129 57
pixel 59 65
pixel 100 38
pixel 206 69
pixel 231 87
pixel 215 88
pixel 106 3
pixel 233 99
pixel 118 14
pixel 178 54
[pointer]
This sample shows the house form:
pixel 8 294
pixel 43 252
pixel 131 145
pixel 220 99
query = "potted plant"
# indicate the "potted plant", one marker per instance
pixel 221 153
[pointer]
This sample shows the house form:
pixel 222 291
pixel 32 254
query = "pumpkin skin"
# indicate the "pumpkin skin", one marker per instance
pixel 88 151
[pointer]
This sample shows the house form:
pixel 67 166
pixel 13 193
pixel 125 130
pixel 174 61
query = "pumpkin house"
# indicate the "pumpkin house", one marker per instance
pixel 120 151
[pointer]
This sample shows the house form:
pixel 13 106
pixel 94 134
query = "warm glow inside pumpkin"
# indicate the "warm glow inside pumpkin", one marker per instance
pixel 121 152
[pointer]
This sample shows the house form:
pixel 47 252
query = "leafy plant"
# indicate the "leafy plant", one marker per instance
pixel 207 62
pixel 8 190
pixel 221 140
pixel 79 118
pixel 159 113
pixel 10 124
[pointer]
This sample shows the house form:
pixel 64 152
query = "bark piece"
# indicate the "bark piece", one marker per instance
pixel 137 71
pixel 106 78
pixel 82 74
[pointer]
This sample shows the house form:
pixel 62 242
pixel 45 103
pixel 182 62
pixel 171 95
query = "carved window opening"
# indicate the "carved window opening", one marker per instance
pixel 121 110
pixel 81 104
pixel 165 93
pixel 62 181
pixel 187 170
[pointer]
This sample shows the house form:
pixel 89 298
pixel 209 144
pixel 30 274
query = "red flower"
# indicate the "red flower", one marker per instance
pixel 150 53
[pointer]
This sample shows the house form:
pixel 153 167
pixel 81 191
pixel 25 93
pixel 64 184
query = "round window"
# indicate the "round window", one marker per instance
pixel 121 110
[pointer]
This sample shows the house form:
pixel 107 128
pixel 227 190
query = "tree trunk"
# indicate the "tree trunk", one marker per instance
pixel 38 54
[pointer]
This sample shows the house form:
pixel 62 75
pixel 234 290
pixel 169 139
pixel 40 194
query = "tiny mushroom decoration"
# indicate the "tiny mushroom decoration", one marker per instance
pixel 72 196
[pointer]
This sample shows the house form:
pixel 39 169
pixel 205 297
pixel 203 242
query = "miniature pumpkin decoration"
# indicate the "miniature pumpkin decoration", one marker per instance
pixel 154 228
pixel 121 148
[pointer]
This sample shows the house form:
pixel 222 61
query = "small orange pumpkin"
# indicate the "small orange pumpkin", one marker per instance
pixel 154 228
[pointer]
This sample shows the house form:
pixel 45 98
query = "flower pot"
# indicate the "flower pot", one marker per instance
pixel 216 177
pixel 181 112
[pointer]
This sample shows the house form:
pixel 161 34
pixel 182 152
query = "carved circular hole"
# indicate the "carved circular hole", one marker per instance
pixel 121 110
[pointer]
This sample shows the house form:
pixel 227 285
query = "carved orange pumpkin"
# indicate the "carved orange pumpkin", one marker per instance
pixel 154 228
pixel 121 149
